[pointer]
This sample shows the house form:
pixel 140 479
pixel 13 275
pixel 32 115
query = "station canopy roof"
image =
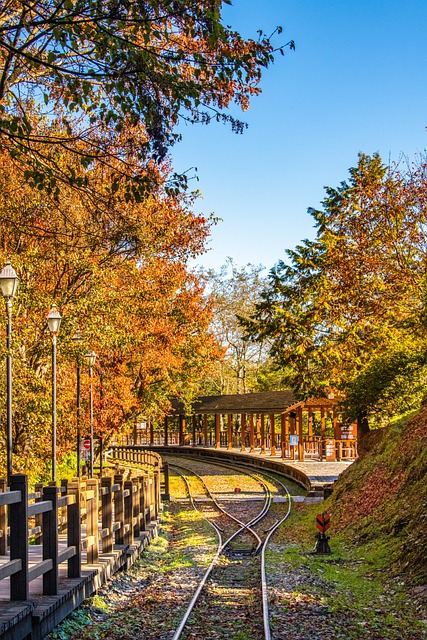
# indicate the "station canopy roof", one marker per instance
pixel 263 402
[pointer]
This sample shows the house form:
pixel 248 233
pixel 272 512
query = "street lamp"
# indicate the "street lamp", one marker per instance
pixel 53 322
pixel 91 358
pixel 8 287
pixel 78 339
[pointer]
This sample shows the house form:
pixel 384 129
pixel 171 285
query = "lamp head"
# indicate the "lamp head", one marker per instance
pixel 78 336
pixel 91 358
pixel 54 320
pixel 8 281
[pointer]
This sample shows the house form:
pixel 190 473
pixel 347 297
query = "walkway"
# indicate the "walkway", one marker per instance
pixel 317 473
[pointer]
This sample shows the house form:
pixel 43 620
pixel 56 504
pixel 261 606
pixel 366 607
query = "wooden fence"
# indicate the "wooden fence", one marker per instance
pixel 72 524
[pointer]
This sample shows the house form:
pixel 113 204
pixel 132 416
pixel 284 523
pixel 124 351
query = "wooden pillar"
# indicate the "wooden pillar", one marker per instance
pixel 251 433
pixel 166 480
pixel 337 429
pixel 181 430
pixel 310 421
pixel 50 541
pixel 128 512
pixel 107 514
pixel 287 428
pixel 150 422
pixel 3 518
pixel 263 434
pixel 74 529
pixel 135 507
pixel 119 509
pixel 230 431
pixel 292 417
pixel 322 433
pixel 199 429
pixel 217 431
pixel 205 429
pixel 166 431
pixel 92 507
pixel 283 434
pixel 272 435
pixel 243 432
pixel 300 435
pixel 18 520
pixel 194 429
pixel 142 497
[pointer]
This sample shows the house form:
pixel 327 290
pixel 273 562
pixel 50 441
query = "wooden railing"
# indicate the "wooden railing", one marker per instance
pixel 315 447
pixel 88 515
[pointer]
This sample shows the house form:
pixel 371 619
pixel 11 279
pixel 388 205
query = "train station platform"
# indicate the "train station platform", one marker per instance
pixel 319 473
pixel 312 474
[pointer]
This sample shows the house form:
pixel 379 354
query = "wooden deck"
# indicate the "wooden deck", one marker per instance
pixel 40 614
pixel 82 533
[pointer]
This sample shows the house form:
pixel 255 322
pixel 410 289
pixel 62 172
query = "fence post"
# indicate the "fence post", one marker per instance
pixel 128 513
pixel 151 493
pixel 50 541
pixel 166 478
pixel 156 494
pixel 38 519
pixel 18 517
pixel 141 480
pixel 107 514
pixel 74 529
pixel 158 472
pixel 147 511
pixel 92 521
pixel 135 507
pixel 119 509
pixel 3 520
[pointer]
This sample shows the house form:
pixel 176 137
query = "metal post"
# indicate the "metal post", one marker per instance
pixel 54 408
pixel 53 322
pixel 9 388
pixel 78 405
pixel 101 453
pixel 91 420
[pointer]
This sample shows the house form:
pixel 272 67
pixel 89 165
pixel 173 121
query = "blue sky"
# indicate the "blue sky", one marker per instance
pixel 356 83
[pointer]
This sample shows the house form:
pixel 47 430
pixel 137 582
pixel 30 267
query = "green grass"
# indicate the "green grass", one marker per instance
pixel 354 580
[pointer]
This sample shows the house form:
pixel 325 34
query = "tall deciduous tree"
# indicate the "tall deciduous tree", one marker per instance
pixel 124 280
pixel 110 80
pixel 346 307
pixel 235 292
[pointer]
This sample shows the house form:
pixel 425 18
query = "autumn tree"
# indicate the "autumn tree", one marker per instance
pixel 246 366
pixel 345 308
pixel 109 81
pixel 121 275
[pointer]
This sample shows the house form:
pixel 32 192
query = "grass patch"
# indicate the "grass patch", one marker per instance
pixel 353 581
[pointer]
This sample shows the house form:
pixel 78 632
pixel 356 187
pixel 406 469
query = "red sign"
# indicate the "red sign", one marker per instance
pixel 323 522
pixel 86 444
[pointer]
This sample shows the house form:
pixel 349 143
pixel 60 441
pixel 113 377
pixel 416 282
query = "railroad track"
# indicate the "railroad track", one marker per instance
pixel 232 595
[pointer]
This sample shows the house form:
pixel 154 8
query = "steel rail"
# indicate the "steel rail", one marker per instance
pixel 202 583
pixel 266 507
pixel 242 525
pixel 263 546
pixel 198 591
pixel 264 591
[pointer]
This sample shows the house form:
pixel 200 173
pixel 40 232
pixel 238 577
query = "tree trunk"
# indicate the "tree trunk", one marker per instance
pixel 362 424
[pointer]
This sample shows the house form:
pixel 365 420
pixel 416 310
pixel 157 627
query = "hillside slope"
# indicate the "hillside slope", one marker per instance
pixel 382 497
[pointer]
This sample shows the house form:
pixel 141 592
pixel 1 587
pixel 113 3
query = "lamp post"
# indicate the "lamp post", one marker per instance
pixel 53 322
pixel 78 339
pixel 8 286
pixel 91 358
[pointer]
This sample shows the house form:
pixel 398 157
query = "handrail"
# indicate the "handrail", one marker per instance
pixel 95 515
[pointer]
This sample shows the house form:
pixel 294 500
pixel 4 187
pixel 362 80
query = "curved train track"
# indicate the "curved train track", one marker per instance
pixel 233 591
